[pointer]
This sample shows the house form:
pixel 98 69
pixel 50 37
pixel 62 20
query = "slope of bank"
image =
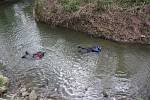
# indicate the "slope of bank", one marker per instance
pixel 101 19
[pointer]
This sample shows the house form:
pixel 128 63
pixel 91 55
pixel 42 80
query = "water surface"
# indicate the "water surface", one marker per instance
pixel 120 70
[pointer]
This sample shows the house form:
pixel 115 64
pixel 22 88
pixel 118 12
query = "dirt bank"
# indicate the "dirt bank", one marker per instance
pixel 124 25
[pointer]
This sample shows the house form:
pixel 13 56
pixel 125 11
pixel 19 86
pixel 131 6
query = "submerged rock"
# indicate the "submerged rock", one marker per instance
pixel 33 95
pixel 24 92
pixel 105 94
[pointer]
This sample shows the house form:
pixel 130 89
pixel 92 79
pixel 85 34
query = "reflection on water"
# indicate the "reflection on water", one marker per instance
pixel 119 70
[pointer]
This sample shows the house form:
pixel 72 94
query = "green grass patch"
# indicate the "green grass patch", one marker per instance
pixel 73 5
pixel 103 4
pixel 131 3
pixel 70 5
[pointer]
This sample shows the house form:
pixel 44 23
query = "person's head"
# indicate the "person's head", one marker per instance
pixel 98 48
pixel 43 53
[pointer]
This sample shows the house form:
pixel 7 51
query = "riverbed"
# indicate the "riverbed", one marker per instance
pixel 120 70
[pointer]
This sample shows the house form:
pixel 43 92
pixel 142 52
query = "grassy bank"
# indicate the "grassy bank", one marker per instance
pixel 118 20
pixel 74 5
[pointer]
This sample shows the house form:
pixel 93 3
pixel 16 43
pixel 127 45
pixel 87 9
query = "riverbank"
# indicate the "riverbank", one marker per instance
pixel 107 20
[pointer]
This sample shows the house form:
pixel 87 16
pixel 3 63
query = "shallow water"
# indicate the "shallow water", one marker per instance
pixel 120 70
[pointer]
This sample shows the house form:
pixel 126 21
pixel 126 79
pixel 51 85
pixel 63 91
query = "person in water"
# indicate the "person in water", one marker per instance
pixel 96 49
pixel 38 55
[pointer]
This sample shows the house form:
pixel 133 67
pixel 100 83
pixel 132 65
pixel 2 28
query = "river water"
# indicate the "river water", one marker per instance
pixel 120 70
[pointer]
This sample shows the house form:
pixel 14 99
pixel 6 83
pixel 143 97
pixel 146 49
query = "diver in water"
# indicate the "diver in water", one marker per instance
pixel 38 55
pixel 96 49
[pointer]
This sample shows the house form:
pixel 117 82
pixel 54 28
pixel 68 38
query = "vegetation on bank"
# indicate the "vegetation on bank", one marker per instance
pixel 118 20
pixel 74 5
pixel 100 5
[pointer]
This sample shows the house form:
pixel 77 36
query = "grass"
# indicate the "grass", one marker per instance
pixel 70 5
pixel 103 4
pixel 74 5
pixel 131 3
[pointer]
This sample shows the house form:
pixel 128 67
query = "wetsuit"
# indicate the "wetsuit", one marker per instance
pixel 36 56
pixel 92 49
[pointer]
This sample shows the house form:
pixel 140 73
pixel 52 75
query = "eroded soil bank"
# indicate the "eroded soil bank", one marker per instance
pixel 130 25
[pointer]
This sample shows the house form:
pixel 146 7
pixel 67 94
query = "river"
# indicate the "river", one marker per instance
pixel 120 70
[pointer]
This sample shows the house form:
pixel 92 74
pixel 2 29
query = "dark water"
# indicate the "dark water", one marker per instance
pixel 120 70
